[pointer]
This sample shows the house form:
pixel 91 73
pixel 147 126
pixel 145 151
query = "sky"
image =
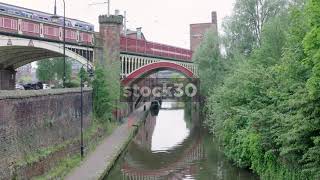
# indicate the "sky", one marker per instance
pixel 163 21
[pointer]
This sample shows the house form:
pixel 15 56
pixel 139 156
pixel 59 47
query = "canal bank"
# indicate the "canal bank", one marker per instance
pixel 97 164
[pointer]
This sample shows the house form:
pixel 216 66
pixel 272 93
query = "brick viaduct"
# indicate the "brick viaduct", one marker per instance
pixel 34 120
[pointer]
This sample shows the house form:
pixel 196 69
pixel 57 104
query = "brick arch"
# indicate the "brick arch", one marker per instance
pixel 155 66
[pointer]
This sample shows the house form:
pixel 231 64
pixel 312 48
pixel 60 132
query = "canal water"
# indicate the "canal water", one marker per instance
pixel 172 145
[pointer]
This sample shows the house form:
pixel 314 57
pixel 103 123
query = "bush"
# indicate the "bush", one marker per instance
pixel 101 96
pixel 73 83
pixel 266 110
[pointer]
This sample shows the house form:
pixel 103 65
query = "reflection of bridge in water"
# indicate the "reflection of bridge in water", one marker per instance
pixel 175 170
pixel 175 163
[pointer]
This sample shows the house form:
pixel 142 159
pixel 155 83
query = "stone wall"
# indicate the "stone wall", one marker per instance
pixel 7 79
pixel 34 120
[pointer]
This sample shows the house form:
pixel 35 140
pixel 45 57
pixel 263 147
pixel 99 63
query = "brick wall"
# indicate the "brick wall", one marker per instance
pixel 33 120
pixel 7 79
pixel 198 30
pixel 109 37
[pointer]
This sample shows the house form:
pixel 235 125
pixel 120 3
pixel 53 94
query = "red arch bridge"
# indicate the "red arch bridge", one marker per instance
pixel 28 35
pixel 140 57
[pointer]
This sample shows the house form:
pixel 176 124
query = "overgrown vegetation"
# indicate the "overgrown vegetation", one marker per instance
pixel 67 164
pixel 106 89
pixel 264 104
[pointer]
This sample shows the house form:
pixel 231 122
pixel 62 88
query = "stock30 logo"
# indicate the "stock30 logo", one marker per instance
pixel 165 88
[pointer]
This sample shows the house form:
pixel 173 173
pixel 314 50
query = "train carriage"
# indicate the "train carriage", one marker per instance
pixel 38 24
pixel 142 46
pixel 8 24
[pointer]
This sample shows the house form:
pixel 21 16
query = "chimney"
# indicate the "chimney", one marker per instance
pixel 139 33
pixel 214 17
pixel 117 12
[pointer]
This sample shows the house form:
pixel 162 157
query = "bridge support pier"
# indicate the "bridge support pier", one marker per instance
pixel 109 39
pixel 7 79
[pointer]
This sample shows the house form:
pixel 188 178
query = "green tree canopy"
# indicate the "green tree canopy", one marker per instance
pixel 210 62
pixel 243 29
pixel 266 110
pixel 52 69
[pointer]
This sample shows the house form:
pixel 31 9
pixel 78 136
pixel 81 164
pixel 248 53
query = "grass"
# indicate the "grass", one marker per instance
pixel 62 168
pixel 40 154
pixel 68 163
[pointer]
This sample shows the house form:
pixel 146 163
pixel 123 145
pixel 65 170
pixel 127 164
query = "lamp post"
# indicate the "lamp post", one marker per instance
pixel 81 108
pixel 81 115
pixel 55 16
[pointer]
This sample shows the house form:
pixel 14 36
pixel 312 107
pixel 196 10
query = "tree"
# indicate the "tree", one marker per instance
pixel 243 29
pixel 52 69
pixel 312 47
pixel 25 79
pixel 83 74
pixel 59 68
pixel 210 62
pixel 101 95
pixel 263 111
pixel 45 71
pixel 113 77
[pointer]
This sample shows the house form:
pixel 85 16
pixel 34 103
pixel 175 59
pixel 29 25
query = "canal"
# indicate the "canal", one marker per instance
pixel 173 146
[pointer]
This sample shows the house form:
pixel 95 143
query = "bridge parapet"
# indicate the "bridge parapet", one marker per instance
pixel 18 94
pixel 104 19
pixel 147 48
pixel 36 120
pixel 133 63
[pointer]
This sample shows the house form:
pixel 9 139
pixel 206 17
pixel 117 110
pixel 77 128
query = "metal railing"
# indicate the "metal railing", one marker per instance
pixel 154 49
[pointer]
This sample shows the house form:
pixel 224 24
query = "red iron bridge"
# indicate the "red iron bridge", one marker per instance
pixel 144 47
pixel 28 35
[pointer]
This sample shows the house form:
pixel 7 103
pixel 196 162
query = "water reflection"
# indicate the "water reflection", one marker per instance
pixel 172 146
pixel 173 124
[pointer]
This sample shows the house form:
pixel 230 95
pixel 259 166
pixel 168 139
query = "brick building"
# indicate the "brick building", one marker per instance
pixel 198 30
pixel 138 34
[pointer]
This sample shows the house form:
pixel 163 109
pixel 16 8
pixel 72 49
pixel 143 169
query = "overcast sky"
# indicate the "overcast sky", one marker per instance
pixel 164 21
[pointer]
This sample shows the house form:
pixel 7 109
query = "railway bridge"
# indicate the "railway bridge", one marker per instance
pixel 28 38
pixel 139 57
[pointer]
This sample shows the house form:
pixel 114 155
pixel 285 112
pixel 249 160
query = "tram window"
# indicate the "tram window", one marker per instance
pixel 2 9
